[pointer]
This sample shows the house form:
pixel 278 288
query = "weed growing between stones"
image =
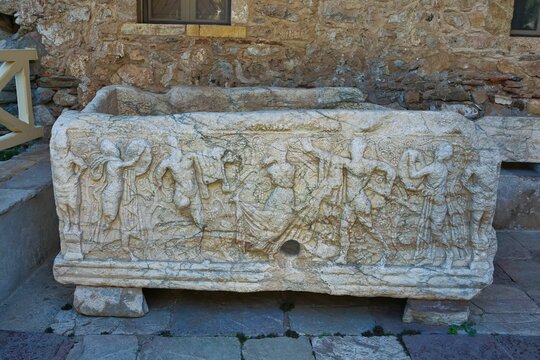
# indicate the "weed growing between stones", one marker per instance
pixel 165 333
pixel 376 331
pixel 67 307
pixel 334 334
pixel 242 338
pixel 467 327
pixel 292 334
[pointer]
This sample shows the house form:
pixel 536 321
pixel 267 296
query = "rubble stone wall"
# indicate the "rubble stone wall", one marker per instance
pixel 416 54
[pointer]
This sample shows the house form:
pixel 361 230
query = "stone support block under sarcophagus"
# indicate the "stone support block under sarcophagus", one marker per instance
pixel 339 201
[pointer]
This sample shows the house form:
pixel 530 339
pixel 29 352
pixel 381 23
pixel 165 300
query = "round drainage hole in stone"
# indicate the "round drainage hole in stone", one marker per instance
pixel 291 248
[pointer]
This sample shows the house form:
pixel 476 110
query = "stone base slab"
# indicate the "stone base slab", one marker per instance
pixel 252 277
pixel 436 312
pixel 109 301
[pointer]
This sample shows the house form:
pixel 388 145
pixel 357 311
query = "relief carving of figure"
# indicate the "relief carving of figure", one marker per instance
pixel 432 179
pixel 189 186
pixel 68 197
pixel 481 182
pixel 110 166
pixel 357 205
pixel 262 227
pixel 68 189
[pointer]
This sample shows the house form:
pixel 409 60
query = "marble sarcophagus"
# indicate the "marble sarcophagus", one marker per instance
pixel 315 192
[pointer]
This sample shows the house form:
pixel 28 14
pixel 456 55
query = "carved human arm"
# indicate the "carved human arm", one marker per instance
pixel 467 182
pixel 417 174
pixel 133 161
pixel 391 174
pixel 323 155
pixel 203 189
pixel 160 171
pixel 78 161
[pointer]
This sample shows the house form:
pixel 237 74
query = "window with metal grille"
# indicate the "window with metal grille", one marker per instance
pixel 526 20
pixel 185 11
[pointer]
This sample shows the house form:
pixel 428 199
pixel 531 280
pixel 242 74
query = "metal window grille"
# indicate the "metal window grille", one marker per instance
pixel 526 19
pixel 186 11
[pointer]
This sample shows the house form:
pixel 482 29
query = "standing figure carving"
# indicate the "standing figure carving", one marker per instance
pixel 109 164
pixel 68 190
pixel 432 179
pixel 189 186
pixel 262 227
pixel 68 198
pixel 357 205
pixel 480 180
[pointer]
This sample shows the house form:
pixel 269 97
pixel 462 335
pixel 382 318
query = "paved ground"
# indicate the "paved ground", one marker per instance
pixel 37 322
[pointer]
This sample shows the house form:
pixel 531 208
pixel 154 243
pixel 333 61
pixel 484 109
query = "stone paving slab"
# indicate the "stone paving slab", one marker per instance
pixel 207 348
pixel 358 347
pixel 523 272
pixel 110 347
pixel 505 299
pixel 33 346
pixel 508 324
pixel 153 323
pixel 479 347
pixel 35 178
pixel 278 348
pixel 310 320
pixel 510 248
pixel 33 306
pixel 535 295
pixel 389 318
pixel 500 277
pixel 520 347
pixel 227 314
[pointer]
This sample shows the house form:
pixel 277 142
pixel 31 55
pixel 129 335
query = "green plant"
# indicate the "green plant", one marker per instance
pixel 9 153
pixel 467 327
pixel 453 329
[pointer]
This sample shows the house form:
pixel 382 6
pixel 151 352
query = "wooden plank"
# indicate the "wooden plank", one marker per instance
pixel 18 55
pixel 16 65
pixel 12 123
pixel 24 95
pixel 7 71
pixel 14 139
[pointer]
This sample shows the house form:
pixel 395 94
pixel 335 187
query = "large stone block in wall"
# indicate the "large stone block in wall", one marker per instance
pixel 366 203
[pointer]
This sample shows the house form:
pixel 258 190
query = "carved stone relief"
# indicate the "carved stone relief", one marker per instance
pixel 297 190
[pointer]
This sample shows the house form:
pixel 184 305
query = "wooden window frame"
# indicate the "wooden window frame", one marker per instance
pixel 520 32
pixel 143 15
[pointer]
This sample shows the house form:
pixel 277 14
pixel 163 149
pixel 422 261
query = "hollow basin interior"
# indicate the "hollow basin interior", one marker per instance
pixel 125 100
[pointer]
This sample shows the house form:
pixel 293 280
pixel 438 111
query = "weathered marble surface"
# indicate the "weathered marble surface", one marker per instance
pixel 368 203
pixel 518 138
pixel 128 100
